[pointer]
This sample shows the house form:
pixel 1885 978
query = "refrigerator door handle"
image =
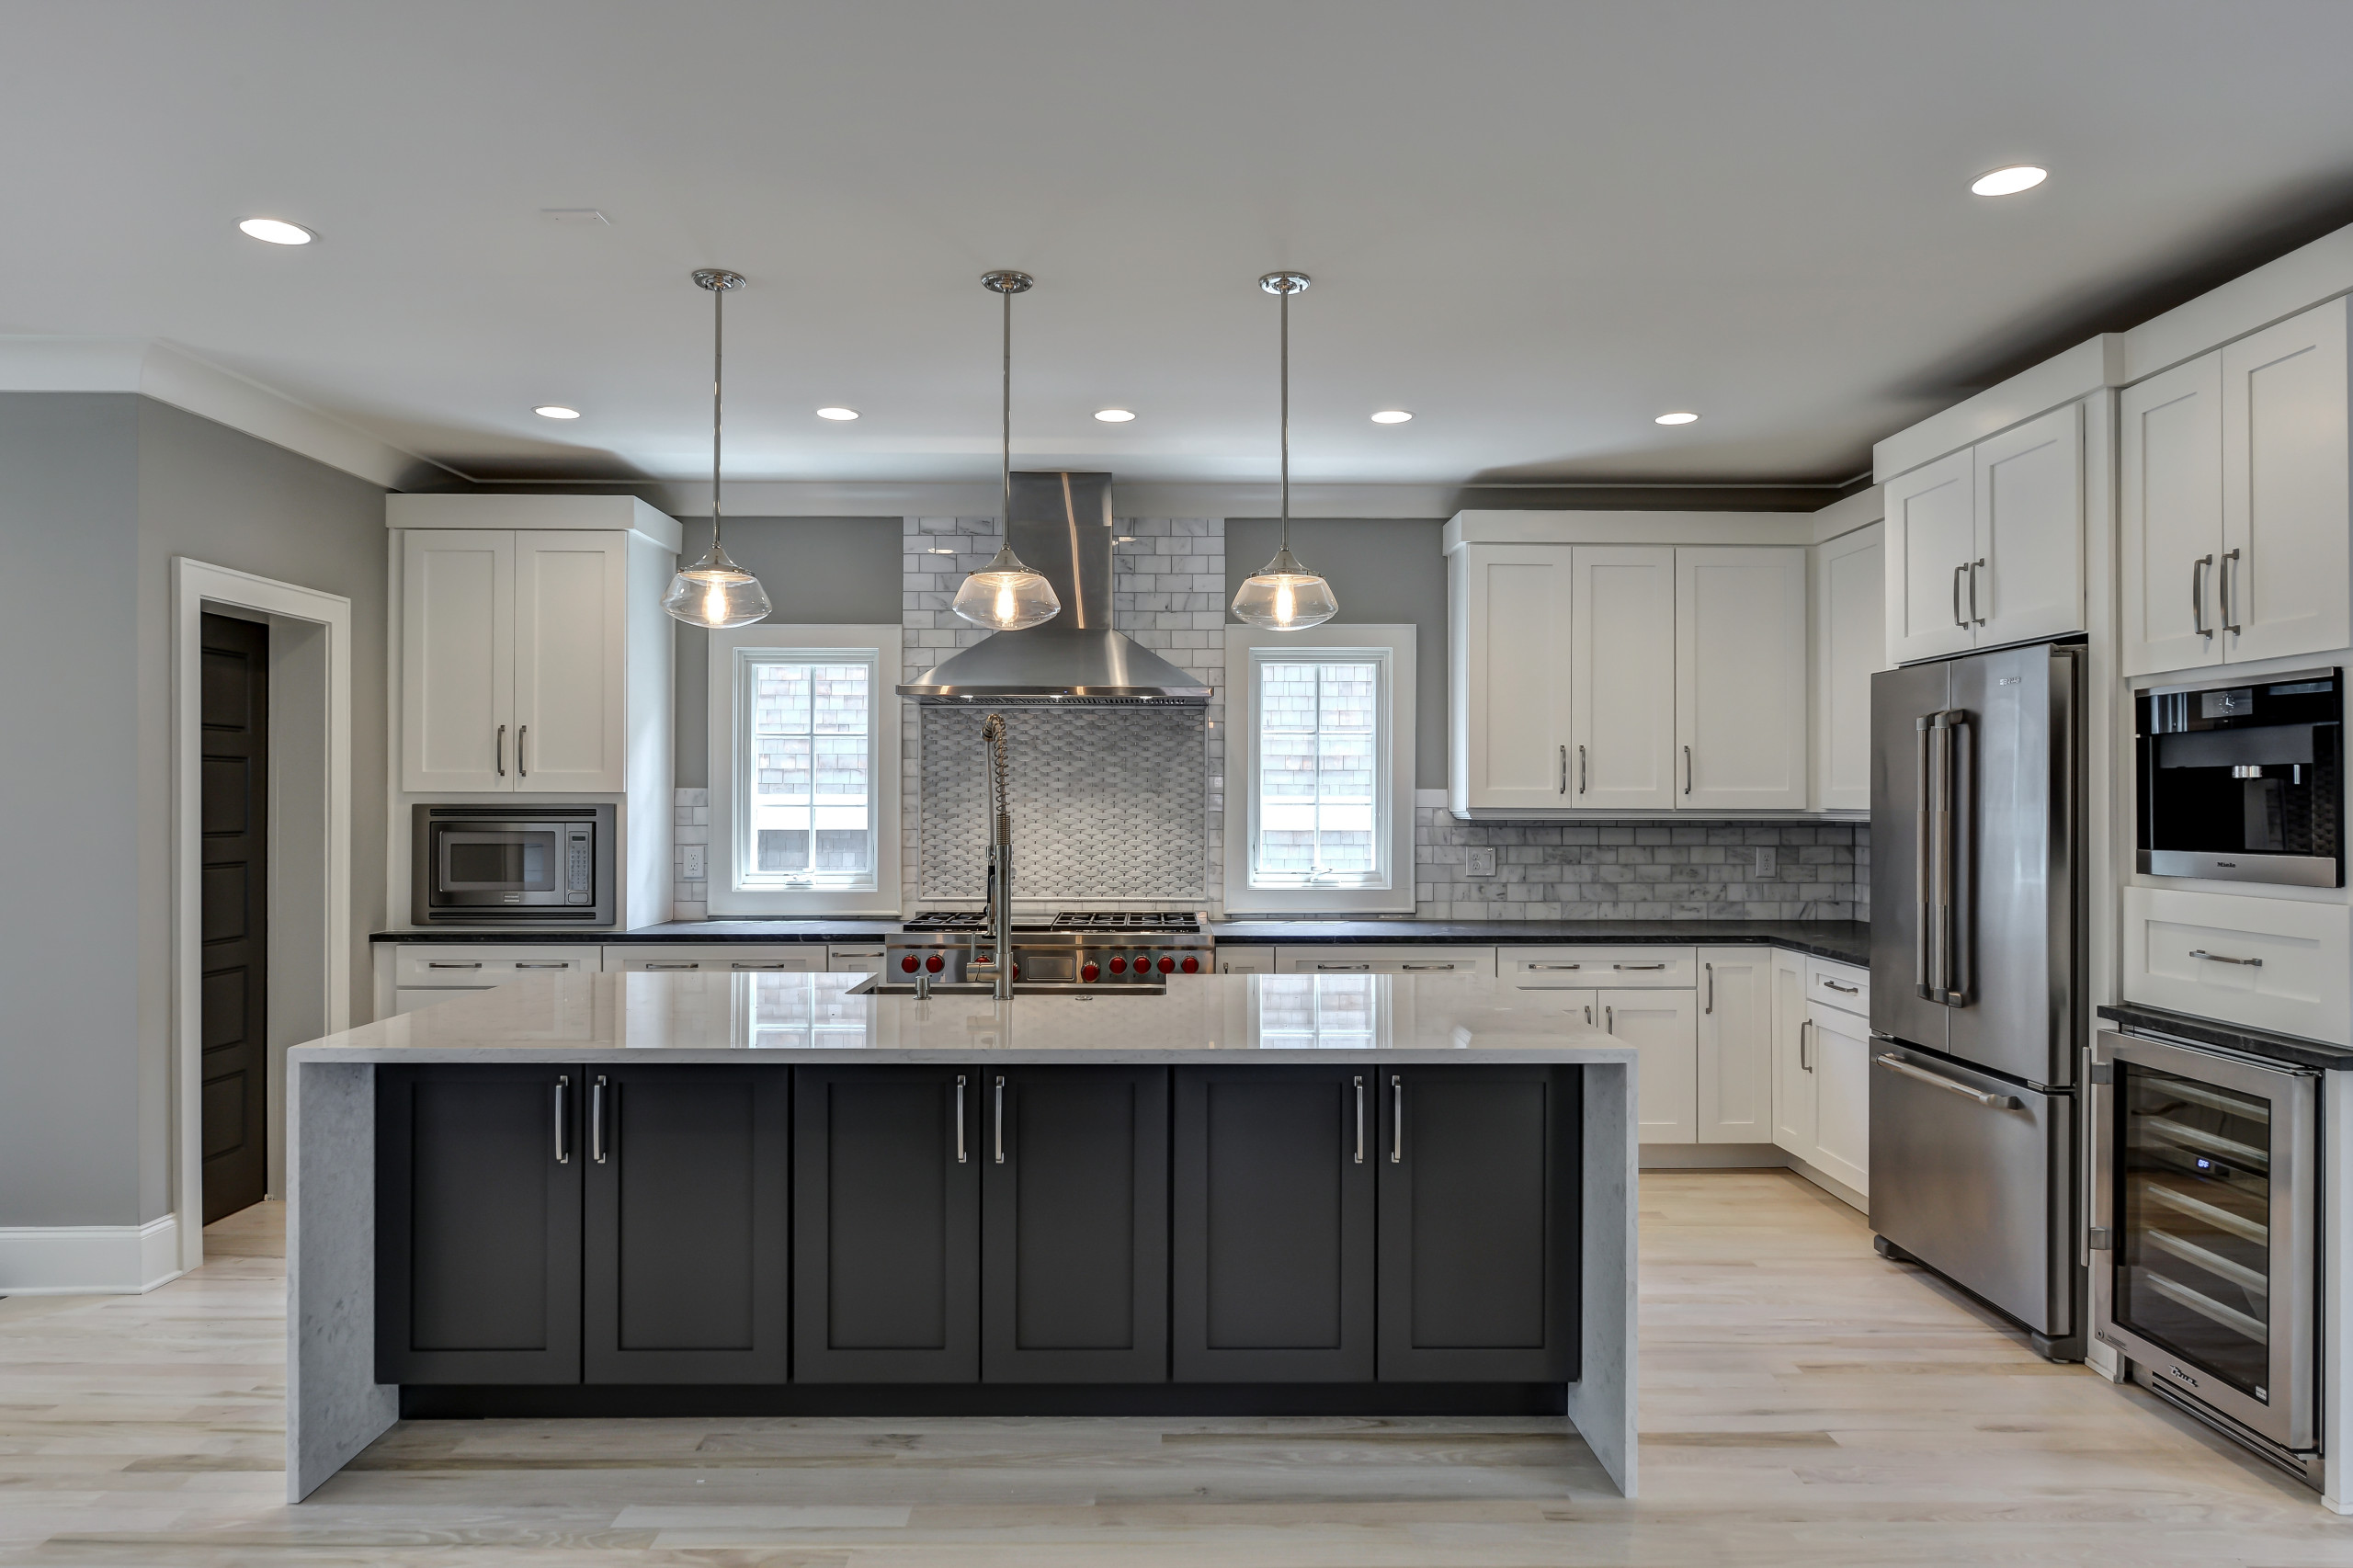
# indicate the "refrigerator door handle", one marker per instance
pixel 1961 888
pixel 1895 1064
pixel 1923 893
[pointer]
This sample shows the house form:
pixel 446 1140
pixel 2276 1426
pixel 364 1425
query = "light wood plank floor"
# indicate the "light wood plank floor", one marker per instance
pixel 1805 1403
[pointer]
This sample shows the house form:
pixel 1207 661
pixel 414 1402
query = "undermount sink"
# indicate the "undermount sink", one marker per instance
pixel 876 985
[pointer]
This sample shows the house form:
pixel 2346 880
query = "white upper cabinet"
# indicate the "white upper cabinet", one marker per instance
pixel 1512 677
pixel 1849 647
pixel 457 659
pixel 1985 546
pixel 2027 576
pixel 570 610
pixel 1931 540
pixel 2234 502
pixel 2280 584
pixel 1740 679
pixel 2169 490
pixel 1623 678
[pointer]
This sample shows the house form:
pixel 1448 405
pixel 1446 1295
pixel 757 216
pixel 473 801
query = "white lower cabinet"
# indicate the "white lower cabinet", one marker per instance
pixel 718 957
pixel 1383 960
pixel 1842 1105
pixel 856 958
pixel 1794 1094
pixel 2268 963
pixel 1735 1047
pixel 1822 1056
pixel 1245 961
pixel 1662 1027
pixel 425 973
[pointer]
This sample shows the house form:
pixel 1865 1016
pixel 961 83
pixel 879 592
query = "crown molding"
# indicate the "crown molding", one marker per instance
pixel 170 374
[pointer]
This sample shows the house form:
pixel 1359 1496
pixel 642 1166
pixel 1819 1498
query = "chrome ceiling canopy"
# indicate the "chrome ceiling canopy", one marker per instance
pixel 1061 525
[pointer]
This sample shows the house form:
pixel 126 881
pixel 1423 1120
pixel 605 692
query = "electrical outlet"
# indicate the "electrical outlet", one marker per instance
pixel 693 862
pixel 1482 863
pixel 1765 862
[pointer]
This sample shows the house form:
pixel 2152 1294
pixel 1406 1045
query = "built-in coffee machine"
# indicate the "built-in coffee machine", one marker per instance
pixel 2242 781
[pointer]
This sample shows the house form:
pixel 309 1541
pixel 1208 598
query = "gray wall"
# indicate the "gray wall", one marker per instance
pixel 99 491
pixel 70 1080
pixel 1385 571
pixel 818 572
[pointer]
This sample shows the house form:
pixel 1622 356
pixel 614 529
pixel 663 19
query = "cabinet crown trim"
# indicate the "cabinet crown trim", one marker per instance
pixel 617 513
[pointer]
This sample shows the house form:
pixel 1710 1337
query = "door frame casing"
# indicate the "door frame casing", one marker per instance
pixel 197 586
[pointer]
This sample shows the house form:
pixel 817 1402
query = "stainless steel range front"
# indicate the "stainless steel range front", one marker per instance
pixel 2205 1205
pixel 1081 947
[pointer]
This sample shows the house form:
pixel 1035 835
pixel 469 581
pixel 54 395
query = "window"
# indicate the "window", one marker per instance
pixel 804 772
pixel 1319 768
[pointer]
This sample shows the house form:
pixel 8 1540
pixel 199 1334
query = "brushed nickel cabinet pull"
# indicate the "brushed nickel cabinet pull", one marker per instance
pixel 519 736
pixel 542 964
pixel 563 1140
pixel 1958 619
pixel 502 751
pixel 1687 770
pixel 2218 957
pixel 653 964
pixel 2229 615
pixel 1580 770
pixel 1359 1118
pixel 1397 1131
pixel 1712 989
pixel 1000 1118
pixel 1805 1064
pixel 959 1118
pixel 1848 990
pixel 1975 567
pixel 597 1120
pixel 1415 966
pixel 451 963
pixel 1564 769
pixel 772 964
pixel 1554 966
pixel 2198 569
pixel 1632 966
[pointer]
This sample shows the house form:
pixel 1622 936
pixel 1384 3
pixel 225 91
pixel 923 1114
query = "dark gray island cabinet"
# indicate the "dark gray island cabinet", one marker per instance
pixel 982 1237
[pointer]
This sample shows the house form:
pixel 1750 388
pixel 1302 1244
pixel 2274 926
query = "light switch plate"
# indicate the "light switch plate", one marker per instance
pixel 1765 862
pixel 692 861
pixel 1481 863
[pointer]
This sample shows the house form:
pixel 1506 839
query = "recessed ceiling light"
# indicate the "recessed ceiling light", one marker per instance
pixel 2009 181
pixel 1676 418
pixel 837 413
pixel 1392 417
pixel 277 230
pixel 556 410
pixel 1114 415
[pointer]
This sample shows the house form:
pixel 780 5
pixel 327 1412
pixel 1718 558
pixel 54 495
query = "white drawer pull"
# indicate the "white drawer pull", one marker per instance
pixel 1849 989
pixel 2203 953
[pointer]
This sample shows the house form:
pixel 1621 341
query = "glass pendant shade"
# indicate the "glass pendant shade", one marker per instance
pixel 715 593
pixel 1005 595
pixel 1283 596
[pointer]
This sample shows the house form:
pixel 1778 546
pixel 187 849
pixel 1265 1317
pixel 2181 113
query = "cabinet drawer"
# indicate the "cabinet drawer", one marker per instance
pixel 1385 960
pixel 1839 985
pixel 728 958
pixel 1614 966
pixel 454 963
pixel 2267 963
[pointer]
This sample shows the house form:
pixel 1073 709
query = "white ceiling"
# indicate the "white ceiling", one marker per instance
pixel 1535 225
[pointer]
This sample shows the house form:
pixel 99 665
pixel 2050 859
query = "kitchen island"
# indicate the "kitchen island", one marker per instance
pixel 650 1194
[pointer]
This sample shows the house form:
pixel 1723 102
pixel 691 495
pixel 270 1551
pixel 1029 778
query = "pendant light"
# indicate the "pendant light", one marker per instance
pixel 1283 596
pixel 1005 595
pixel 715 592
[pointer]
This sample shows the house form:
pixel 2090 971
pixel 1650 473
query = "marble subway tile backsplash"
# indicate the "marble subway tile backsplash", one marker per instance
pixel 1640 870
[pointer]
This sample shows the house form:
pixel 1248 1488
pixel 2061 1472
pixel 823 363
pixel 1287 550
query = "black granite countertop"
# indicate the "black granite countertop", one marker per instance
pixel 1847 941
pixel 2271 1046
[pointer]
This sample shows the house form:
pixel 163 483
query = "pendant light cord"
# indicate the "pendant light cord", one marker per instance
pixel 718 363
pixel 1005 449
pixel 1285 297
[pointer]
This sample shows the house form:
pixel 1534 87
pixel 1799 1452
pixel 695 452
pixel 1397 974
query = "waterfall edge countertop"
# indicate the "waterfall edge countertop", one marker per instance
pixel 816 1018
pixel 1845 941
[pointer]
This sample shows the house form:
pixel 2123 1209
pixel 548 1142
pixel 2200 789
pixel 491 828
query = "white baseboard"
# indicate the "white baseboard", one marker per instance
pixel 1747 1156
pixel 89 1260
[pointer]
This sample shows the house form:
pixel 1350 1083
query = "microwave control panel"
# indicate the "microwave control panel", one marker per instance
pixel 581 871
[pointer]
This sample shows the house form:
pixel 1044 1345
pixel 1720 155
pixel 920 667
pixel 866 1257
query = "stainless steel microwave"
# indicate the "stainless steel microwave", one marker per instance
pixel 548 863
pixel 2243 780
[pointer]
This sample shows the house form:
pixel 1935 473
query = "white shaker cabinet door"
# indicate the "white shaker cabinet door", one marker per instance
pixel 1661 1027
pixel 457 659
pixel 1793 1069
pixel 2281 582
pixel 1849 647
pixel 2025 580
pixel 570 600
pixel 1842 1070
pixel 1513 713
pixel 1736 1045
pixel 1623 610
pixel 1931 540
pixel 2169 493
pixel 1740 679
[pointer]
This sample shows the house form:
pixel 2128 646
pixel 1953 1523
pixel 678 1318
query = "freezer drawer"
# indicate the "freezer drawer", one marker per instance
pixel 1970 1173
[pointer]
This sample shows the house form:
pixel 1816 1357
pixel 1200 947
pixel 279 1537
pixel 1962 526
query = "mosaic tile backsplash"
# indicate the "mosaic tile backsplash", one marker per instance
pixel 1701 870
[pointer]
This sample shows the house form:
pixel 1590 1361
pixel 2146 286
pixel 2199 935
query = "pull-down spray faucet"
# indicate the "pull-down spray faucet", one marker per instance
pixel 1000 888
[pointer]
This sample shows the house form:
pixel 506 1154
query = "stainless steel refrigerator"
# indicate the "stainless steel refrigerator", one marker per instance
pixel 1976 900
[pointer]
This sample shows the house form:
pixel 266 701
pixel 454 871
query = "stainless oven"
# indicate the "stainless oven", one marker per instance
pixel 2242 781
pixel 2205 1208
pixel 546 863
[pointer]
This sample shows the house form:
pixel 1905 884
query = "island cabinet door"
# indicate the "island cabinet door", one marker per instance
pixel 685 1242
pixel 1479 1235
pixel 886 1224
pixel 1274 1224
pixel 1074 1225
pixel 478 1224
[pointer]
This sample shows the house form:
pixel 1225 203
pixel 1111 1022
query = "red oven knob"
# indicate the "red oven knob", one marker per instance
pixel 1119 965
pixel 1089 972
pixel 935 963
pixel 908 964
pixel 1166 963
pixel 1192 966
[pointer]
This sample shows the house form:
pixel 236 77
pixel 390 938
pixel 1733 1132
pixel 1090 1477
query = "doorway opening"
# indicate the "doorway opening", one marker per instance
pixel 233 906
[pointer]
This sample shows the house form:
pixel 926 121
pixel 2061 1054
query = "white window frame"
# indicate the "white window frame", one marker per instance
pixel 732 654
pixel 1391 647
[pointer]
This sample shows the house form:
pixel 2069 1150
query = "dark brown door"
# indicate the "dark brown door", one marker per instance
pixel 235 900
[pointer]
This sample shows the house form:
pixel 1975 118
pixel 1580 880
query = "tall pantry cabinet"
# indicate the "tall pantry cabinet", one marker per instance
pixel 532 657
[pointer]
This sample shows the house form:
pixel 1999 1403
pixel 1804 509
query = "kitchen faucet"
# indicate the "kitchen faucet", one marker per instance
pixel 1000 888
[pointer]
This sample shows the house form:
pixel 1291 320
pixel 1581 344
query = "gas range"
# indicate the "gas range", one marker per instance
pixel 1090 946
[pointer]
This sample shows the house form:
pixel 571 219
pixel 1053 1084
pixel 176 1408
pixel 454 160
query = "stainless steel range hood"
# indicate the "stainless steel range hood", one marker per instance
pixel 1062 527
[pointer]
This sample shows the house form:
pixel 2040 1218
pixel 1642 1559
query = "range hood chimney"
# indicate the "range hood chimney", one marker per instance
pixel 1062 527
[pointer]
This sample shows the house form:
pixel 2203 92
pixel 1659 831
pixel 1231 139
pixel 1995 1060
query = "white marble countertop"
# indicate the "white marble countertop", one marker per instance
pixel 1287 1018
